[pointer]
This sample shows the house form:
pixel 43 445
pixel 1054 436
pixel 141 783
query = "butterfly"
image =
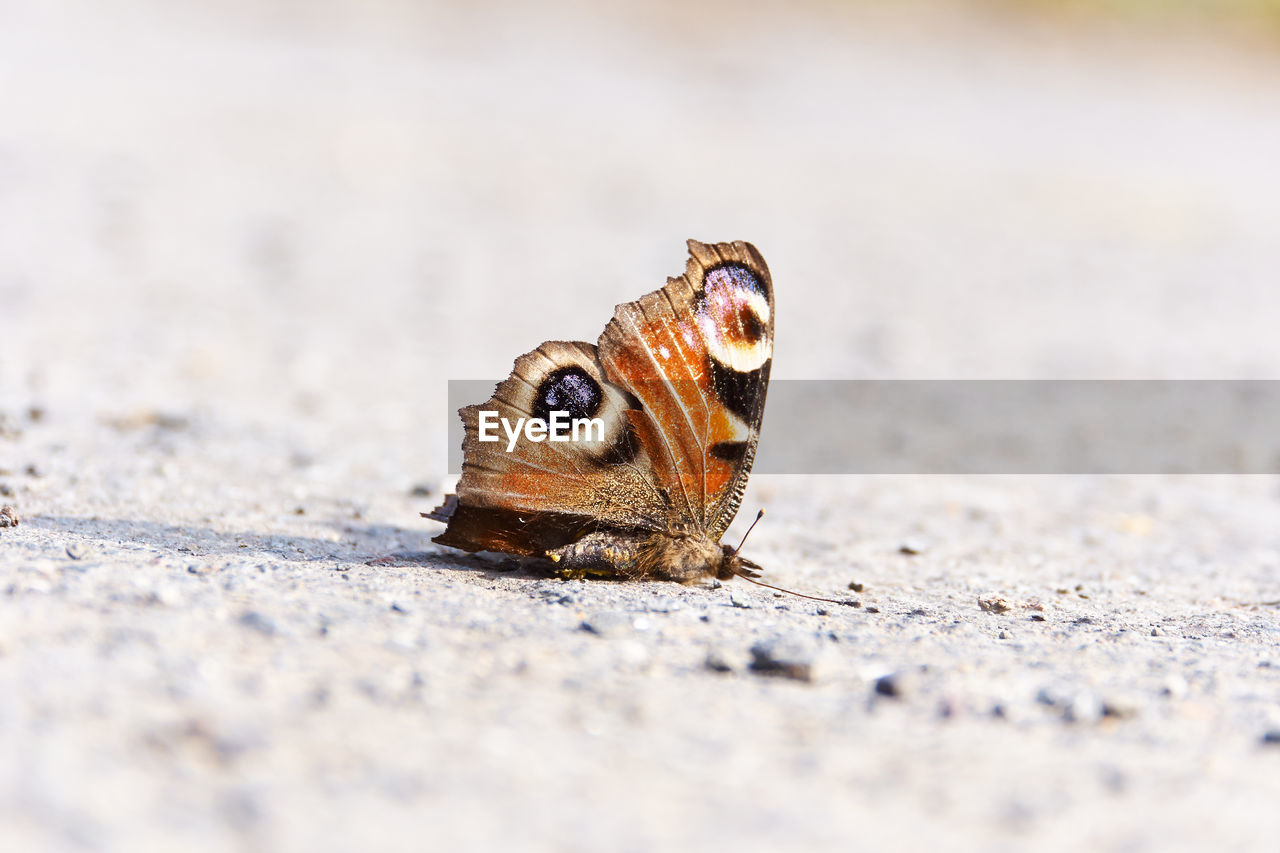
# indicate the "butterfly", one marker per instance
pixel 675 390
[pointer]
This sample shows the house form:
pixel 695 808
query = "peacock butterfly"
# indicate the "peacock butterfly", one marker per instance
pixel 675 388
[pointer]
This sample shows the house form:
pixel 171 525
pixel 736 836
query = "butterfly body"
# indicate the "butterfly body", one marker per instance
pixel 677 382
pixel 674 555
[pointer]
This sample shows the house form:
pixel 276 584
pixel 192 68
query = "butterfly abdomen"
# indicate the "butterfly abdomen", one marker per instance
pixel 656 556
pixel 600 554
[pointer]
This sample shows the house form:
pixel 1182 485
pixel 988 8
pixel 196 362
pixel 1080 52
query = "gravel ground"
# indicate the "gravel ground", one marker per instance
pixel 243 250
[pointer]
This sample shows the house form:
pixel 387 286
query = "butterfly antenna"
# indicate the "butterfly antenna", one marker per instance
pixel 759 515
pixel 745 577
pixel 846 603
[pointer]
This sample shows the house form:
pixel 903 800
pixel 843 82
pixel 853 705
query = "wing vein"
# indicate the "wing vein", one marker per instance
pixel 675 462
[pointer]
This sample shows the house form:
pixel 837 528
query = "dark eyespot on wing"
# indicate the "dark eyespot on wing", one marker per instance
pixel 742 393
pixel 568 389
pixel 730 451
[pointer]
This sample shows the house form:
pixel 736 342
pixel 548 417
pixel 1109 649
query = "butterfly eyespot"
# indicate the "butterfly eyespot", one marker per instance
pixel 733 312
pixel 568 389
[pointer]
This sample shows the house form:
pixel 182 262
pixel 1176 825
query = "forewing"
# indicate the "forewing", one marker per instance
pixel 696 356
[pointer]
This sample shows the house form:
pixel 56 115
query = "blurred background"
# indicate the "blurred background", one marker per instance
pixel 331 209
pixel 245 244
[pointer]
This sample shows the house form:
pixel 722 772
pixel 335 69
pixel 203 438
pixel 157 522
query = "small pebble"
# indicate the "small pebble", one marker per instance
pixel 1004 635
pixel 1122 706
pixel 254 620
pixel 608 623
pixel 1271 738
pixel 718 661
pixel 740 601
pixel 993 604
pixel 912 547
pixel 856 587
pixel 890 685
pixel 788 657
pixel 9 516
pixel 420 490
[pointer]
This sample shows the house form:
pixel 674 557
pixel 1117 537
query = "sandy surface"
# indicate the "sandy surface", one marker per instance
pixel 242 252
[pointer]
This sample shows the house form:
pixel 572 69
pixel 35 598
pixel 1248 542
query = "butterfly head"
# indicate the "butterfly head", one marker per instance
pixel 733 564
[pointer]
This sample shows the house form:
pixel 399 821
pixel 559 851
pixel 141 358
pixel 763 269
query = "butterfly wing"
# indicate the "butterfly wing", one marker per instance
pixel 537 496
pixel 696 356
pixel 678 380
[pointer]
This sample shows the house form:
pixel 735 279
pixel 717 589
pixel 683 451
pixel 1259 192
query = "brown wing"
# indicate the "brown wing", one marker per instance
pixel 541 495
pixel 696 355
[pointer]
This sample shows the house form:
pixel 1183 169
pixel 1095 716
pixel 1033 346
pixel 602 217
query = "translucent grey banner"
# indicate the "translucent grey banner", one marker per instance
pixel 1001 426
